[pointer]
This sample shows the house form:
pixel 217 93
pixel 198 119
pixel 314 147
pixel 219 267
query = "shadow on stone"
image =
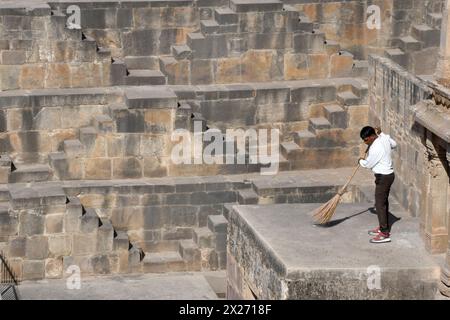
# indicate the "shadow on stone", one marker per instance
pixel 334 223
pixel 392 219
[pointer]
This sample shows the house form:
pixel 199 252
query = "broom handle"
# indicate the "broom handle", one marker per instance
pixel 344 188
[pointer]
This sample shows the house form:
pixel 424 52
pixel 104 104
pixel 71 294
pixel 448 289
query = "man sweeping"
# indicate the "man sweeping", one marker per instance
pixel 380 161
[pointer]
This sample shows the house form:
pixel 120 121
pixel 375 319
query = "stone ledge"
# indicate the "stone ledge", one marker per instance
pixel 281 244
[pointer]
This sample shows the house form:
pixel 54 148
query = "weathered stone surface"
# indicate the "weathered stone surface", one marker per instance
pixel 60 245
pixel 54 268
pixel 36 247
pixel 356 276
pixel 33 269
pixel 97 168
pixel 31 224
pixel 54 223
pixel 140 98
pixel 17 247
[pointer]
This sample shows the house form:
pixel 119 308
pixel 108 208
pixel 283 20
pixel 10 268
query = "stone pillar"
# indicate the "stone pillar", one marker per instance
pixel 445 272
pixel 436 233
pixel 442 73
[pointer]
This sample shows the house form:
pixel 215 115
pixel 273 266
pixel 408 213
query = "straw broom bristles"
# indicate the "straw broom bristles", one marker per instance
pixel 324 213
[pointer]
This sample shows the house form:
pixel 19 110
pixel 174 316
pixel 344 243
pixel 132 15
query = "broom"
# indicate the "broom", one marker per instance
pixel 324 213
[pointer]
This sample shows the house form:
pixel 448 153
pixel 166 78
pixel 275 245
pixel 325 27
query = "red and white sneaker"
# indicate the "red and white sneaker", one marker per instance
pixel 374 232
pixel 381 238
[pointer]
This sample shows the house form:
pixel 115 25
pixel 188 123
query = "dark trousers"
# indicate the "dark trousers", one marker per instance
pixel 383 187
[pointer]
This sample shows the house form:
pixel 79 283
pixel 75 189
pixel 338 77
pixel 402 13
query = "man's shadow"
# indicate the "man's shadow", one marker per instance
pixel 391 219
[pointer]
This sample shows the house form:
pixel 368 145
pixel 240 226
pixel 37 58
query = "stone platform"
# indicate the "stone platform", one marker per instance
pixel 176 286
pixel 276 252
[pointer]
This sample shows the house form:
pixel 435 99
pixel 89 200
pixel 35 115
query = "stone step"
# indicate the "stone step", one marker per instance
pixel 360 69
pixel 309 42
pixel 197 117
pixel 183 116
pixel 145 77
pixel 4 193
pixel 135 257
pixel 103 52
pixel 348 98
pixel 434 20
pixel 223 169
pixel 204 238
pixel 161 262
pixel 217 223
pixel 336 115
pixel 361 90
pixel 289 147
pixel 30 173
pixel 189 251
pixel 58 162
pixel 105 236
pixel 332 47
pixel 140 62
pixel 159 245
pixel 88 135
pixel 74 212
pixel 176 71
pixel 49 197
pixel 121 241
pixel 398 56
pixel 208 46
pixel 181 52
pixel 118 72
pixel 209 26
pixel 195 39
pixel 150 98
pixel 302 139
pixel 409 44
pixel 90 221
pixel 213 27
pixel 226 16
pixel 304 23
pixel 320 123
pixel 247 196
pixel 73 148
pixel 103 123
pixel 331 138
pixel 256 5
pixel 428 36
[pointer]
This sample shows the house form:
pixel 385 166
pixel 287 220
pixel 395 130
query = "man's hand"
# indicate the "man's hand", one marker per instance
pixel 362 155
pixel 378 130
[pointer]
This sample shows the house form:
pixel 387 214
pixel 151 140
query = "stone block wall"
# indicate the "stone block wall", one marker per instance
pixel 397 19
pixel 136 28
pixel 393 95
pixel 404 107
pixel 102 133
pixel 38 51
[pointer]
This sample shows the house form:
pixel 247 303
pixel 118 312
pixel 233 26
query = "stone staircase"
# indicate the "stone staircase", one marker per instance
pixel 136 71
pixel 418 51
pixel 249 31
pixel 154 225
pixel 330 139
